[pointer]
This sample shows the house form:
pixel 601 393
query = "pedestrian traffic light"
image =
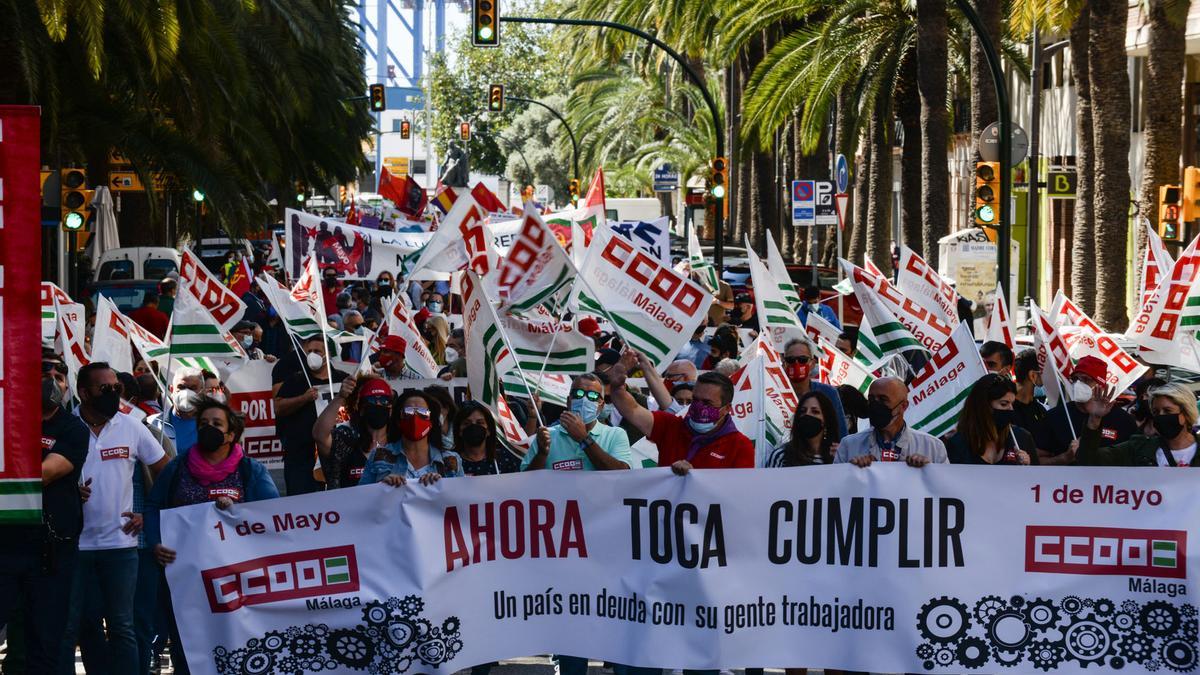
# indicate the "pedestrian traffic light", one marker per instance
pixel 405 129
pixel 1191 195
pixel 496 97
pixel 1170 215
pixel 378 98
pixel 987 193
pixel 464 131
pixel 485 23
pixel 720 177
pixel 75 198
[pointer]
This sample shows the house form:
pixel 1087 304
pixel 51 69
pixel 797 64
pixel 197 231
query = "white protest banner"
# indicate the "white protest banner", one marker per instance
pixel 467 237
pixel 776 314
pixel 354 252
pixel 536 269
pixel 250 394
pixel 1064 312
pixel 920 282
pixel 764 402
pixel 110 337
pixel 937 393
pixel 51 293
pixel 1122 371
pixel 999 327
pixel 927 327
pixel 653 236
pixel 654 309
pixel 1163 314
pixel 943 569
pixel 223 304
pixel 838 369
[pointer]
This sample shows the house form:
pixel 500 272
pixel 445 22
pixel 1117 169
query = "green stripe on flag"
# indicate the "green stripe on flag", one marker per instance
pixel 942 410
pixel 541 296
pixel 195 329
pixel 772 304
pixel 204 348
pixel 650 343
pixel 21 487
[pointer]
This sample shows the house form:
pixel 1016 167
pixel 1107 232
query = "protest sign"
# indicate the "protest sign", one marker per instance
pixel 354 252
pixel 653 308
pixel 225 307
pixel 943 569
pixel 250 394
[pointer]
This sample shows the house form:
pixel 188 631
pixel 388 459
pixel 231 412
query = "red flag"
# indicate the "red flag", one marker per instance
pixel 486 199
pixel 352 216
pixel 408 196
pixel 239 281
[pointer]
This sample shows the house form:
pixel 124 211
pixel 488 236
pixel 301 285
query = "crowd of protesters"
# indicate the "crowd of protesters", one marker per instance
pixel 91 575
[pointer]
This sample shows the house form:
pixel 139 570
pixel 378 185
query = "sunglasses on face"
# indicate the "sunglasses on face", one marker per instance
pixel 415 411
pixel 797 359
pixel 108 388
pixel 592 396
pixel 48 366
pixel 381 401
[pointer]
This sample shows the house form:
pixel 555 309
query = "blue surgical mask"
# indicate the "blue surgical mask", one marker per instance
pixel 1039 391
pixel 701 427
pixel 434 307
pixel 587 410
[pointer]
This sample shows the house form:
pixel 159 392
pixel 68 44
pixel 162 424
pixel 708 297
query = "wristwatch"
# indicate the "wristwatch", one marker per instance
pixel 585 442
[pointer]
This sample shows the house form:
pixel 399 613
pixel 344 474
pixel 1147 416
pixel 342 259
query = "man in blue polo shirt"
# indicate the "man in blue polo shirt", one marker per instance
pixel 579 442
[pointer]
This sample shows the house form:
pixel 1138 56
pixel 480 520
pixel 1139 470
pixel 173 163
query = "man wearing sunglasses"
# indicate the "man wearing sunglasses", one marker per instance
pixel 800 365
pixel 107 565
pixel 579 442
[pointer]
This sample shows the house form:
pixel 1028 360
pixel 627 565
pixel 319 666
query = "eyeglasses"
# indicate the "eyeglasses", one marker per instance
pixel 108 388
pixel 381 401
pixel 48 366
pixel 797 359
pixel 592 396
pixel 413 410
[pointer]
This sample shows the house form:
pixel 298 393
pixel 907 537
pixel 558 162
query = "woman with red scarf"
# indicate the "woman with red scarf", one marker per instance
pixel 214 470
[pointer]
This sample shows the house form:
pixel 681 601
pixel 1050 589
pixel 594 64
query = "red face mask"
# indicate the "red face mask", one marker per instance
pixel 798 371
pixel 415 427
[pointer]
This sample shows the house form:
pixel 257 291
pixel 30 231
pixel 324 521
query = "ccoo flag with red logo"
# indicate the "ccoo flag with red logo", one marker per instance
pixel 937 393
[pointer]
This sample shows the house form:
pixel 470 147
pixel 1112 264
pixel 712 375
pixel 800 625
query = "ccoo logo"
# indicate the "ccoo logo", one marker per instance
pixel 286 576
pixel 1106 550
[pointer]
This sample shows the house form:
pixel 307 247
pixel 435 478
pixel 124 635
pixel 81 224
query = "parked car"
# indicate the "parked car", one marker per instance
pixel 126 294
pixel 150 263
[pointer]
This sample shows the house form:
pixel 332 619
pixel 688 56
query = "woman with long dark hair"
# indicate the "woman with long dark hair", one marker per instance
pixel 344 448
pixel 477 441
pixel 418 454
pixel 987 433
pixel 814 434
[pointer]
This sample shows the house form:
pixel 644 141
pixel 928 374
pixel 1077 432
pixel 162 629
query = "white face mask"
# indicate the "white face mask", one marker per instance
pixel 185 401
pixel 1081 392
pixel 315 361
pixel 247 340
pixel 451 354
pixel 218 396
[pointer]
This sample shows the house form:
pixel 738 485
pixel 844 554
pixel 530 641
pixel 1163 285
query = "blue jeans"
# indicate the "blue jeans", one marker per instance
pixel 104 585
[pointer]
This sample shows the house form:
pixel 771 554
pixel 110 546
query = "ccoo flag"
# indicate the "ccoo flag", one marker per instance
pixel 937 393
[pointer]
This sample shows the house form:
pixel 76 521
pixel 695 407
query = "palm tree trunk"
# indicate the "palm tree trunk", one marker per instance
pixel 879 202
pixel 1083 243
pixel 931 82
pixel 1164 111
pixel 786 235
pixel 1110 137
pixel 741 185
pixel 842 143
pixel 857 234
pixel 908 106
pixel 983 93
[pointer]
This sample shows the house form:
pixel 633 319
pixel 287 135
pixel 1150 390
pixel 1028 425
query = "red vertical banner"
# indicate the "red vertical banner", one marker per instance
pixel 20 316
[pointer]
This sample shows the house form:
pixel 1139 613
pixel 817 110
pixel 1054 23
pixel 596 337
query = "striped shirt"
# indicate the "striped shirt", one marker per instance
pixel 909 442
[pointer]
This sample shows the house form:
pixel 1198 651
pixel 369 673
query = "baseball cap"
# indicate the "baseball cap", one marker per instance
pixel 743 298
pixel 394 343
pixel 1092 367
pixel 607 357
pixel 373 387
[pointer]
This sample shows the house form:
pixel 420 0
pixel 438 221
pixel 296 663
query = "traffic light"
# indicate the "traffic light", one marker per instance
pixel 75 199
pixel 987 193
pixel 464 131
pixel 496 97
pixel 1170 215
pixel 485 23
pixel 720 177
pixel 405 129
pixel 1191 194
pixel 378 98
pixel 573 188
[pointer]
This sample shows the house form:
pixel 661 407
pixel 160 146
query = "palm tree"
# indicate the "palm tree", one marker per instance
pixel 932 33
pixel 1083 242
pixel 1109 77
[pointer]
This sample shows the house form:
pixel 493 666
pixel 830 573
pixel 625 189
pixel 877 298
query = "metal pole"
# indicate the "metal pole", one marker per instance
pixel 1003 230
pixel 718 128
pixel 574 145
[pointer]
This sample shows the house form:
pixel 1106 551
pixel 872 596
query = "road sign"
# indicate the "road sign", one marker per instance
pixel 841 200
pixel 826 211
pixel 542 193
pixel 988 144
pixel 666 179
pixel 1061 184
pixel 841 173
pixel 803 203
pixel 124 181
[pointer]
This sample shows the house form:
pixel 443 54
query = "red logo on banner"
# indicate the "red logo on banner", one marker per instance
pixel 286 576
pixel 1105 550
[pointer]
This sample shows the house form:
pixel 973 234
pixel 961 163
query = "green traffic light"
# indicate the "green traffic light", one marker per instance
pixel 985 214
pixel 718 191
pixel 485 33
pixel 73 221
pixel 197 195
pixel 300 198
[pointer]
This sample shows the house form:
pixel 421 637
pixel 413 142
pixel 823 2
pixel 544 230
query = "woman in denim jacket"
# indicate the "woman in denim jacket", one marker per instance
pixel 418 455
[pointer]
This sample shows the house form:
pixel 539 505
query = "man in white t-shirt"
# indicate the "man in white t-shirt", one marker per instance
pixel 108 560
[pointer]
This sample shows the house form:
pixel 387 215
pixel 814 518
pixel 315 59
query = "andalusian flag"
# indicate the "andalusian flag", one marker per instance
pixel 550 387
pixel 937 393
pixel 776 314
pixel 297 317
pixel 489 356
pixel 536 269
pixel 543 343
pixel 194 332
pixel 702 270
pixel 778 269
pixel 880 333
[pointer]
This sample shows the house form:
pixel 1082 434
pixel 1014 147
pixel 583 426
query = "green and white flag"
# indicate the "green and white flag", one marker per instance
pixel 776 315
pixel 195 333
pixel 550 388
pixel 937 393
pixel 536 269
pixel 778 269
pixel 653 308
pixel 764 402
pixel 838 369
pixel 488 357
pixel 546 344
pixel 703 271
pixel 297 317
pixel 880 334
pixel 926 326
pixel 818 329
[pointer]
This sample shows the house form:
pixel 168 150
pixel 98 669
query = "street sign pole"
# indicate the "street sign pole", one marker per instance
pixel 841 200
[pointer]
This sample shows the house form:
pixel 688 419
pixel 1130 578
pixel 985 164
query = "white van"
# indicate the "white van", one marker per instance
pixel 644 209
pixel 150 263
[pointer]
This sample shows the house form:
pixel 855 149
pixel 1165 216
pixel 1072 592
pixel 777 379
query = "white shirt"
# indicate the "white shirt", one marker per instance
pixel 112 455
pixel 1182 457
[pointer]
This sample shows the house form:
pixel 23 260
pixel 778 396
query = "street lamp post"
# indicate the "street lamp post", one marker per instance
pixel 718 128
pixel 574 144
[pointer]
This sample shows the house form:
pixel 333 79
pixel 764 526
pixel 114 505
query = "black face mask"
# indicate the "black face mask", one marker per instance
pixel 474 435
pixel 1003 418
pixel 807 426
pixel 51 395
pixel 107 403
pixel 1168 425
pixel 209 438
pixel 879 414
pixel 375 416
